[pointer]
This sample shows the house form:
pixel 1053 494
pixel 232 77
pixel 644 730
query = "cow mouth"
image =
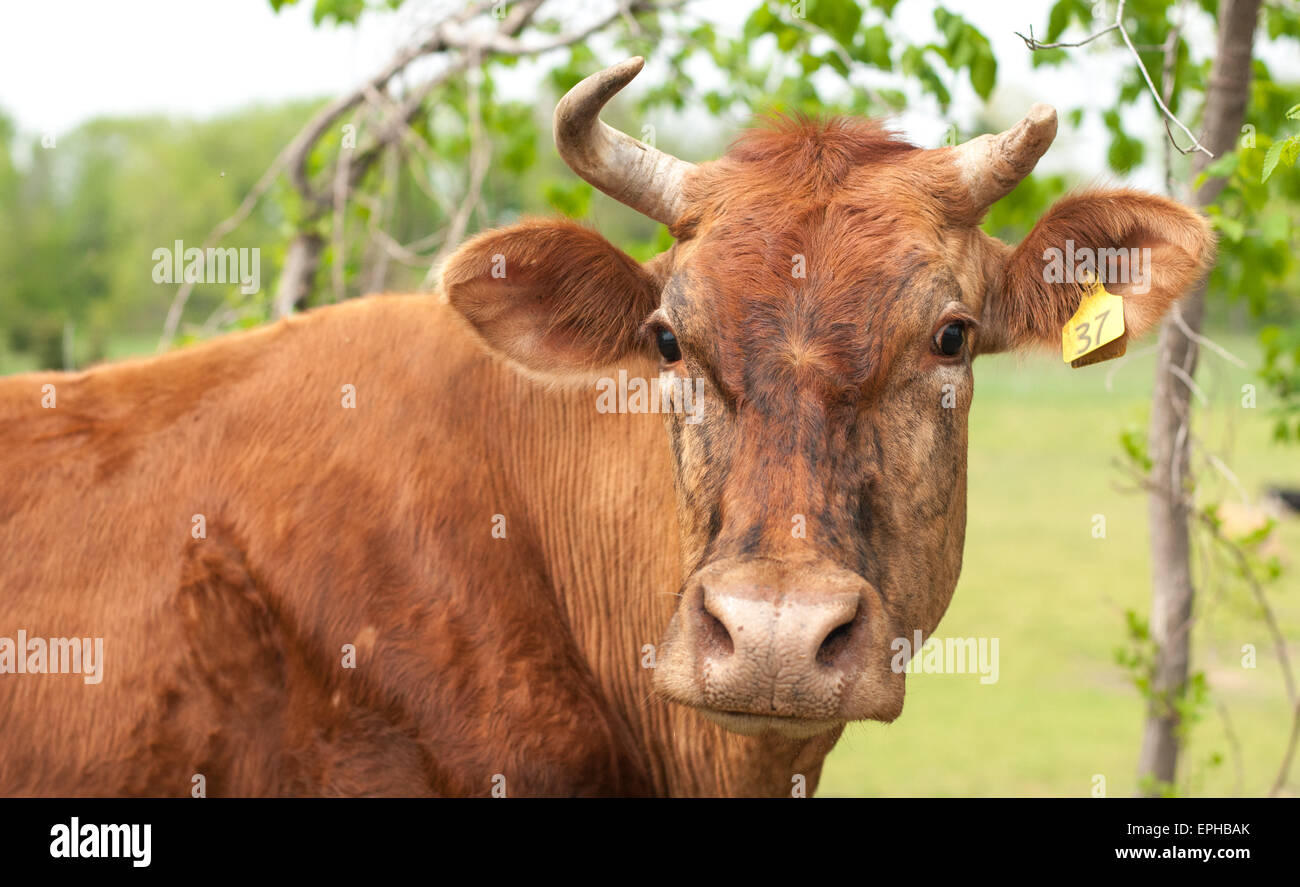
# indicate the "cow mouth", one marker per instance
pixel 748 724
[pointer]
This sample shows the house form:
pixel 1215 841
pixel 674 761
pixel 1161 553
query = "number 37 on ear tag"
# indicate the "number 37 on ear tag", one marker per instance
pixel 1096 331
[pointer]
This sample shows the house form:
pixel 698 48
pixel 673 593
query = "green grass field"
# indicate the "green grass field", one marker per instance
pixel 1043 442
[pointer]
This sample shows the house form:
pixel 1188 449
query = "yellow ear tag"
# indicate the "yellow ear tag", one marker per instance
pixel 1096 331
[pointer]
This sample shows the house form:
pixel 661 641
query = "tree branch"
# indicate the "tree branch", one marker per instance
pixel 450 34
pixel 1034 45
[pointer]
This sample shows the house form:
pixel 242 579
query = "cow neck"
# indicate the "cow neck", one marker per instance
pixel 597 497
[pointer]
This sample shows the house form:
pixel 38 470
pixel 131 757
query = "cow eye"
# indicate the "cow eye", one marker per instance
pixel 950 339
pixel 668 346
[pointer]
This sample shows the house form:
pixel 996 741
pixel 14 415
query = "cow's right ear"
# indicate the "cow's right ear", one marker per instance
pixel 552 295
pixel 1165 249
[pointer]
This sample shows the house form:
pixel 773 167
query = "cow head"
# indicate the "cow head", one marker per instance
pixel 829 288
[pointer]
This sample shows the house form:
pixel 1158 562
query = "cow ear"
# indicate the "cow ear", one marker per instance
pixel 1166 249
pixel 552 295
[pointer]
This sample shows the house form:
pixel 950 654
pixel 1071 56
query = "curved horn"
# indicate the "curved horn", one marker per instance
pixel 646 179
pixel 992 165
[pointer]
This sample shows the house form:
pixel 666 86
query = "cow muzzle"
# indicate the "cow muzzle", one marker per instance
pixel 759 645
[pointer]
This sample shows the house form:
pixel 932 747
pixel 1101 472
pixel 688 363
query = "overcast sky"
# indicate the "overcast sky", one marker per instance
pixel 64 61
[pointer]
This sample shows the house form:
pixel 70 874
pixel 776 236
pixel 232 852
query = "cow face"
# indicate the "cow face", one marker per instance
pixel 826 296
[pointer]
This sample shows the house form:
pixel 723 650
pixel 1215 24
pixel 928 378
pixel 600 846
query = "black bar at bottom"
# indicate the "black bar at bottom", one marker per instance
pixel 232 837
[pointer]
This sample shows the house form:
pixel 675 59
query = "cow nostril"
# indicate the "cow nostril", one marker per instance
pixel 715 638
pixel 835 642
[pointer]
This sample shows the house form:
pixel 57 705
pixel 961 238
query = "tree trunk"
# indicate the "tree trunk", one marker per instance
pixel 299 273
pixel 1172 593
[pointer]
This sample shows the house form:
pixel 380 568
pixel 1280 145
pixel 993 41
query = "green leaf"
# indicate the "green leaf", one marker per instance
pixel 839 18
pixel 983 74
pixel 760 21
pixel 873 48
pixel 1271 160
pixel 1254 537
pixel 914 64
pixel 341 11
pixel 1048 57
pixel 1125 153
pixel 1058 20
pixel 1133 440
pixel 1138 629
pixel 835 61
pixel 1233 229
pixel 894 97
pixel 573 201
pixel 1275 227
pixel 1223 166
pixel 948 24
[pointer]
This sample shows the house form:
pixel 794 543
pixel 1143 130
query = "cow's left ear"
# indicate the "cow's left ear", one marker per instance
pixel 552 295
pixel 1167 249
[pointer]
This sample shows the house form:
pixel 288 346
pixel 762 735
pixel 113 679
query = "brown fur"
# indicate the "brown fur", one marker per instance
pixel 522 657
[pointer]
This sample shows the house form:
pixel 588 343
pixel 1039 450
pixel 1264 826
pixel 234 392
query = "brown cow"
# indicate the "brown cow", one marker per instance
pixel 393 547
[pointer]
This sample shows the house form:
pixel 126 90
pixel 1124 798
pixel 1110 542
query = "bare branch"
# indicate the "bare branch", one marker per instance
pixel 437 41
pixel 480 156
pixel 214 237
pixel 1167 78
pixel 1285 768
pixel 408 254
pixel 411 139
pixel 1247 572
pixel 1119 364
pixel 1228 474
pixel 1235 745
pixel 1183 376
pixel 1118 25
pixel 1155 93
pixel 1034 45
pixel 447 35
pixel 338 225
pixel 1279 642
pixel 1200 339
pixel 379 216
pixel 501 42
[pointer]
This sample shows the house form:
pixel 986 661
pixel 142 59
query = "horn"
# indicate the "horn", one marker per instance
pixel 992 165
pixel 646 179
